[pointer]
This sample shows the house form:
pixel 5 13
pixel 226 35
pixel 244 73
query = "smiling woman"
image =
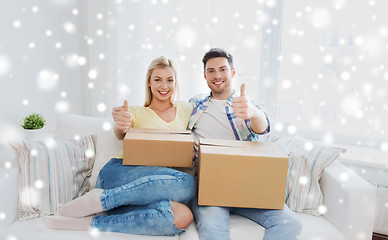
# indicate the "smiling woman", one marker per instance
pixel 137 192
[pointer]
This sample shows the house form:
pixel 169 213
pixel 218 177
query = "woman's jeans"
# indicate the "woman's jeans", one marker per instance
pixel 138 199
pixel 213 222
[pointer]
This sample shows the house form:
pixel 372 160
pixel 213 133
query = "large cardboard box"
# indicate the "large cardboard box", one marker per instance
pixel 154 147
pixel 242 174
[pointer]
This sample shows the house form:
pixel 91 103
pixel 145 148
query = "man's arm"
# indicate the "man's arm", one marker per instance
pixel 259 121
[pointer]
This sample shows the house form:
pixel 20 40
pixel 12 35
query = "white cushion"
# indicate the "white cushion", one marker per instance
pixel 318 228
pixel 314 228
pixel 35 230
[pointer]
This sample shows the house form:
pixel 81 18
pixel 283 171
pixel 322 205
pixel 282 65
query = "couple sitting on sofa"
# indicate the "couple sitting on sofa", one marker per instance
pixel 151 200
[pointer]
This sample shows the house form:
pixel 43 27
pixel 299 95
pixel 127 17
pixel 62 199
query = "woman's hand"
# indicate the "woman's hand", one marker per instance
pixel 123 118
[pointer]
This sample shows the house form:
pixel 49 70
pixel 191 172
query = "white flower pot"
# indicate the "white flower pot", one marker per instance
pixel 33 134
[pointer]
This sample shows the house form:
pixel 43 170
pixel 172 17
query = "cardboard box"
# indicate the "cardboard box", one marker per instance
pixel 154 147
pixel 242 174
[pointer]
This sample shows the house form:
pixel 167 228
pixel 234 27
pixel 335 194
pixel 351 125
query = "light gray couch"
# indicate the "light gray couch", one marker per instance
pixel 349 203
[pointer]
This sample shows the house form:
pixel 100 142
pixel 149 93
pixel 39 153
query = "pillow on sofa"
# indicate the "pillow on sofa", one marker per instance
pixel 52 173
pixel 306 164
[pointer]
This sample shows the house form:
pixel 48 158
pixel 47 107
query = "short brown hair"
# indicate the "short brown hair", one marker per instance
pixel 215 53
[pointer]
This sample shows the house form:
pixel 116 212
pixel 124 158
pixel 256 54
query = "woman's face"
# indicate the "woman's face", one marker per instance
pixel 162 83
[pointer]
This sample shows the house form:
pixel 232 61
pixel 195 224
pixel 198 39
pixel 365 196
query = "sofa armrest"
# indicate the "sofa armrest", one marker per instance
pixel 8 196
pixel 350 201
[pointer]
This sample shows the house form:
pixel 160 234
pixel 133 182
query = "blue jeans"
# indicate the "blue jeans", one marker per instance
pixel 213 222
pixel 137 199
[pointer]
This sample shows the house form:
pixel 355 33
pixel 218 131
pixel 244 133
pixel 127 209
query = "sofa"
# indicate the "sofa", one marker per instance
pixel 349 202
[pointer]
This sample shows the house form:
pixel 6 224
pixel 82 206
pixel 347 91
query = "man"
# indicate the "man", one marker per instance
pixel 225 115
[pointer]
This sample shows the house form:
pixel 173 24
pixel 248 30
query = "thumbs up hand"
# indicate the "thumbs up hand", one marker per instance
pixel 123 117
pixel 242 90
pixel 242 107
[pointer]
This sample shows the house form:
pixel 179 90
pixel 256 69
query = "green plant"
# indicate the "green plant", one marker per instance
pixel 33 121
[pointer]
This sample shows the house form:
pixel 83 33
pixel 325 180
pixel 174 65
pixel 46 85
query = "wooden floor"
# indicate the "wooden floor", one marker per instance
pixel 379 237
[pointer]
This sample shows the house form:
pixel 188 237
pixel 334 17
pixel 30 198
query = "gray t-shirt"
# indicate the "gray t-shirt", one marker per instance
pixel 213 123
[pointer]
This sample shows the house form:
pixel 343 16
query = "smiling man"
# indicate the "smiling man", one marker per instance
pixel 223 114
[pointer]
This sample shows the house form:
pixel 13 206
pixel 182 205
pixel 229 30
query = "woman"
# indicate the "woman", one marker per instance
pixel 138 199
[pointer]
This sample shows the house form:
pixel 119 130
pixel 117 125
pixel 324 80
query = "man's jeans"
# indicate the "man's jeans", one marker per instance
pixel 137 199
pixel 213 222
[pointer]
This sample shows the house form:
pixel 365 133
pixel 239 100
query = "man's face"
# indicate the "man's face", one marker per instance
pixel 218 75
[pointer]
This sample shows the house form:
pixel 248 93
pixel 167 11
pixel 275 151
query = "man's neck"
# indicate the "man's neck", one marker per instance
pixel 223 96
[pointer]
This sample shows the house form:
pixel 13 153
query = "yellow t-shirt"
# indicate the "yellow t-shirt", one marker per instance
pixel 145 117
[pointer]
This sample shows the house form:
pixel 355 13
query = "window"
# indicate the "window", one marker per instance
pixel 333 75
pixel 184 31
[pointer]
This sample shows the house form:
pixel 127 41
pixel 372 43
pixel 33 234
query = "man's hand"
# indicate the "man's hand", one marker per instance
pixel 242 107
pixel 123 119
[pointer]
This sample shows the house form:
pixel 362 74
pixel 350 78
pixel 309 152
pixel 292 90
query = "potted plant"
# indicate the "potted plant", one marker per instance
pixel 33 125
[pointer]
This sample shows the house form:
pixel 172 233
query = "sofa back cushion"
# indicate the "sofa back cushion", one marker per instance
pixel 68 126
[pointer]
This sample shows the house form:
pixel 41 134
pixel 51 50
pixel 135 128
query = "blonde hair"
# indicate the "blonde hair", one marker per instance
pixel 160 62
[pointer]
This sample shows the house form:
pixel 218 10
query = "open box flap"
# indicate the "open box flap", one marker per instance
pixel 158 131
pixel 228 143
pixel 246 148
